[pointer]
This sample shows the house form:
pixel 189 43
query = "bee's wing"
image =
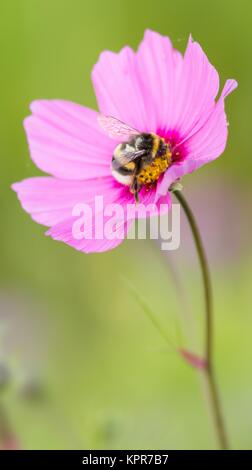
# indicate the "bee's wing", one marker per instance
pixel 126 157
pixel 115 128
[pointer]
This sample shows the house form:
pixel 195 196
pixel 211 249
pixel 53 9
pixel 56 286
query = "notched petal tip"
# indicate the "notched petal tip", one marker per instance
pixel 14 187
pixel 27 121
pixel 154 38
pixel 190 39
pixel 149 33
pixel 20 185
pixel 229 86
pixel 35 105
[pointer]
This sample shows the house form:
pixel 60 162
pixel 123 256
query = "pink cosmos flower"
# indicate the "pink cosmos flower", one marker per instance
pixel 154 90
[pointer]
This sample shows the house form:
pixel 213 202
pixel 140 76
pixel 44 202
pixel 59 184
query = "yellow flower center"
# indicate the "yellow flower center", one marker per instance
pixel 151 173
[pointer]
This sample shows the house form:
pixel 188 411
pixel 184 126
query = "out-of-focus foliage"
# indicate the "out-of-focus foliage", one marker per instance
pixel 86 367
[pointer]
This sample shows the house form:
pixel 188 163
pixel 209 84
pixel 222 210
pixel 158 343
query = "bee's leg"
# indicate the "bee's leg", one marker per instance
pixel 135 188
pixel 135 185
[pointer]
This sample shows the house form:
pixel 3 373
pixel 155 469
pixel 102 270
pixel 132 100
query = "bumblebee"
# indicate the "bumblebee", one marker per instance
pixel 140 159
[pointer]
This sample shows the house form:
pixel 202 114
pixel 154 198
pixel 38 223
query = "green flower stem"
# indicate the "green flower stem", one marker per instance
pixel 209 369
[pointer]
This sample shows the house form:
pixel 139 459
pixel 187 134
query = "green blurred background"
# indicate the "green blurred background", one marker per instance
pixel 86 367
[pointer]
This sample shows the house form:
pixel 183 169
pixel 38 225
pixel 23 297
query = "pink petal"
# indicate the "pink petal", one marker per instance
pixel 50 200
pixel 158 65
pixel 210 141
pixel 138 88
pixel 66 140
pixel 93 243
pixel 63 232
pixel 174 173
pixel 196 88
pixel 147 199
pixel 118 88
pixel 157 89
pixel 205 145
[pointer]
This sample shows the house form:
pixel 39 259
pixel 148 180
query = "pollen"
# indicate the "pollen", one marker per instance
pixel 151 173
